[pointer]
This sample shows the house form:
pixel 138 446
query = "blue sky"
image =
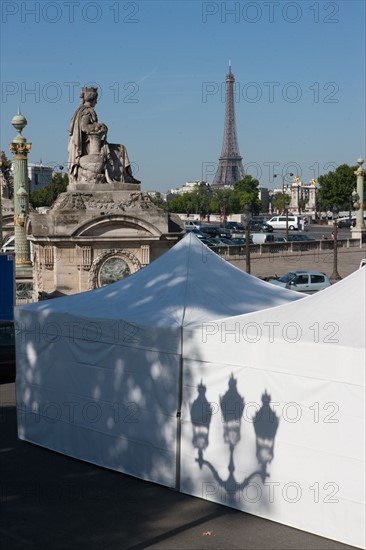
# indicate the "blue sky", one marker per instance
pixel 160 67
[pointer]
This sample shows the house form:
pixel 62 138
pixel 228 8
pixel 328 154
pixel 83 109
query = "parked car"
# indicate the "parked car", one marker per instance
pixel 199 234
pixel 207 242
pixel 345 222
pixel 300 237
pixel 192 224
pixel 7 352
pixel 303 281
pixel 235 226
pixel 260 225
pixel 362 263
pixel 220 241
pixel 214 231
pixel 241 240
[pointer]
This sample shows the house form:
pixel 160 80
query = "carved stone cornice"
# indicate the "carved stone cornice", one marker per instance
pixel 100 202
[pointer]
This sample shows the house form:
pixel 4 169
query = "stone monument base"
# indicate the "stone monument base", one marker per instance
pixel 359 233
pixel 97 187
pixel 96 234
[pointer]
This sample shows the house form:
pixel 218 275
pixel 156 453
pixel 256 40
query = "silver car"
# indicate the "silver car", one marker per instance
pixel 303 281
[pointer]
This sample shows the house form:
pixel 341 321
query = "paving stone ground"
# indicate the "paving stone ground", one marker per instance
pixel 269 265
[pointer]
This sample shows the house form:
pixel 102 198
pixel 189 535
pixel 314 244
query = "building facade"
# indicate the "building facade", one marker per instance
pixel 39 176
pixel 92 238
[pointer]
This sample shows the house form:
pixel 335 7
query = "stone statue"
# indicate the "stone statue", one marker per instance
pixel 91 158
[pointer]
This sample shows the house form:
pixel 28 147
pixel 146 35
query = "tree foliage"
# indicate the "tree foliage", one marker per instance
pixel 5 167
pixel 193 202
pixel 335 188
pixel 246 191
pixel 204 200
pixel 47 195
pixel 279 201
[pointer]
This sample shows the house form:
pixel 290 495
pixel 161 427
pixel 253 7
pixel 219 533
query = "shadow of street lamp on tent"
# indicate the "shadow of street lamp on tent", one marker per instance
pixel 335 275
pixel 265 423
pixel 247 216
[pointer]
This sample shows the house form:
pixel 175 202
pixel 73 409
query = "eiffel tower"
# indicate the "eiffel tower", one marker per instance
pixel 230 167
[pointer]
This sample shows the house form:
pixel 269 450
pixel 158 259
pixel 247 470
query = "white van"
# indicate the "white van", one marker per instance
pixel 279 222
pixel 192 224
pixel 262 238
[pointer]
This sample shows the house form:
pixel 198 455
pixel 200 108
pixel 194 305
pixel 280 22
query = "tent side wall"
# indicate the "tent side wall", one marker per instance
pixel 316 476
pixel 100 391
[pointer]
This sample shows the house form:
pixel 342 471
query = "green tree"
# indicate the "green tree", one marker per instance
pixel 279 201
pixel 335 188
pixel 176 204
pixel 222 202
pixel 5 167
pixel 200 199
pixel 196 201
pixel 47 195
pixel 247 192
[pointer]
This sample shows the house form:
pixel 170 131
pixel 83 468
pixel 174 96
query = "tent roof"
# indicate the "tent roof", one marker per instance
pixel 187 285
pixel 339 311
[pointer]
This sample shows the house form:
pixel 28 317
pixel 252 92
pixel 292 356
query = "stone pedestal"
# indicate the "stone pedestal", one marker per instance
pixel 359 233
pixel 101 187
pixel 97 234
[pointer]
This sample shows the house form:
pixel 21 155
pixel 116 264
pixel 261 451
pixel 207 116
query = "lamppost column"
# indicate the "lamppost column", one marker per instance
pixel 360 224
pixel 359 230
pixel 335 275
pixel 247 248
pixel 246 218
pixel 20 149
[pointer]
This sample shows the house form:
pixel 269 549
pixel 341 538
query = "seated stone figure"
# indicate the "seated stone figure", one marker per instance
pixel 91 158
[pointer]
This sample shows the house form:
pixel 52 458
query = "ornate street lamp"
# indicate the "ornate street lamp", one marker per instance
pixel 335 275
pixel 287 207
pixel 247 216
pixel 232 407
pixel 20 149
pixel 360 224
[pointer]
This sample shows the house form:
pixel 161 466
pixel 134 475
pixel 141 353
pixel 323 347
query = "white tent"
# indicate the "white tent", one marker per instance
pixel 295 409
pixel 99 374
